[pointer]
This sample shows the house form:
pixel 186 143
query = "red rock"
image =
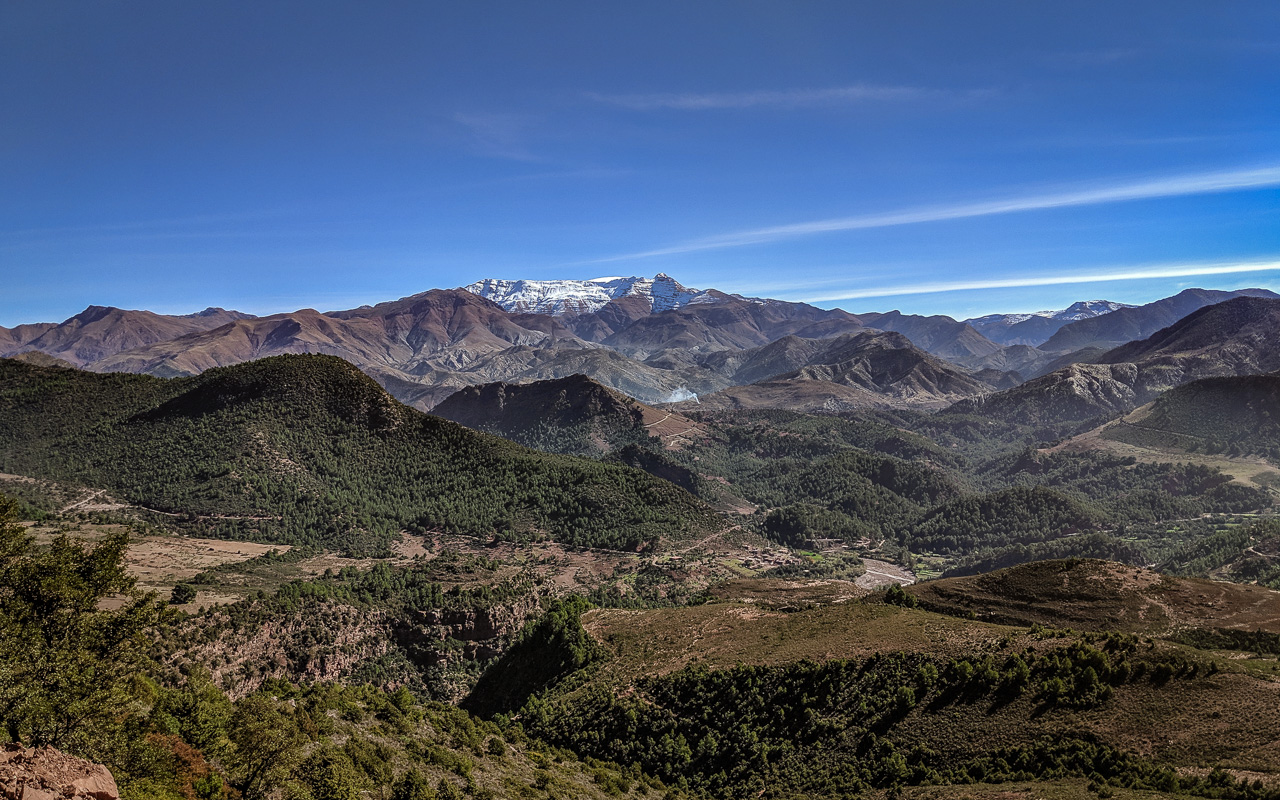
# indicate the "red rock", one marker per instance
pixel 48 774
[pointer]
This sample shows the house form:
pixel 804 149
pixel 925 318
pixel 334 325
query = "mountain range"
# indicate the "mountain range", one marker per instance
pixel 1035 328
pixel 661 293
pixel 1232 338
pixel 695 598
pixel 652 339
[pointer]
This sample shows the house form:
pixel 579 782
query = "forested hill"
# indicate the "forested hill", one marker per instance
pixel 573 415
pixel 1236 415
pixel 307 449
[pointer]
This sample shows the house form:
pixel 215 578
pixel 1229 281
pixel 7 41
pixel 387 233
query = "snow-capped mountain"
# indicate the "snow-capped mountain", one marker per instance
pixel 1035 328
pixel 561 297
pixel 1072 313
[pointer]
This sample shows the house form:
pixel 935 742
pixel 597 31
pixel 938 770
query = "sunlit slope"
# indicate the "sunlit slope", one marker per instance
pixel 734 699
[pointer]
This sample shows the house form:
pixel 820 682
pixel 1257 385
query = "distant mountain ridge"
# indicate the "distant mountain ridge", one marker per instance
pixel 1233 338
pixel 561 297
pixel 99 332
pixel 1138 322
pixel 652 339
pixel 1035 328
pixel 866 369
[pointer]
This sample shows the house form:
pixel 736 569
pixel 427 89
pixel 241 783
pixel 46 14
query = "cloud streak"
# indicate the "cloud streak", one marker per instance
pixel 497 135
pixel 788 98
pixel 1116 274
pixel 1176 186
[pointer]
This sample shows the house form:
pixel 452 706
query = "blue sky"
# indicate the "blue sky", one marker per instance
pixel 936 157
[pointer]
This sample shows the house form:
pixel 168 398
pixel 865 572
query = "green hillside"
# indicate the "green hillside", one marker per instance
pixel 1237 416
pixel 308 450
pixel 725 701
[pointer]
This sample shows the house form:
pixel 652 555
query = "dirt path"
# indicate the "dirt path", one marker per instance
pixel 882 573
pixel 673 429
pixel 83 501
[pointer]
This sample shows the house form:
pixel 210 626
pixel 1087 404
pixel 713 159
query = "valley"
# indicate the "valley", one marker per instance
pixel 635 401
pixel 857 563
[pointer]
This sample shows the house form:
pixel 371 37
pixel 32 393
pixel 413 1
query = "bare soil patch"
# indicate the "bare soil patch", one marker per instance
pixel 882 573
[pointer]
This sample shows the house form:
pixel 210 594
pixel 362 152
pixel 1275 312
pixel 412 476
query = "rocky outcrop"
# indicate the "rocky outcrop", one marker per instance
pixel 331 641
pixel 44 773
pixel 483 631
pixel 866 369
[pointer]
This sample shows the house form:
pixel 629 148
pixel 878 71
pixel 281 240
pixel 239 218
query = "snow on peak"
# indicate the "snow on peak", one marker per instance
pixel 1089 308
pixel 1084 309
pixel 582 297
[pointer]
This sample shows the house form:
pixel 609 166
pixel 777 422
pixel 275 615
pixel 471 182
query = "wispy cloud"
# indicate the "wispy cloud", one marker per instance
pixel 497 135
pixel 1175 186
pixel 785 98
pixel 1115 274
pixel 1092 58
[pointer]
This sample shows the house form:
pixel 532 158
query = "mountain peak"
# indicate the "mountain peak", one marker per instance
pixel 1035 327
pixel 572 297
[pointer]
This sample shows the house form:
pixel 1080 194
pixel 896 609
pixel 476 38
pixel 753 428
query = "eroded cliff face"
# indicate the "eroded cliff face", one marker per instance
pixel 431 649
pixel 44 773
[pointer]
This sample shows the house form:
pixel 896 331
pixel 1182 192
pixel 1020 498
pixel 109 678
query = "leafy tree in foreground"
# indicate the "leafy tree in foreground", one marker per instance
pixel 268 744
pixel 64 659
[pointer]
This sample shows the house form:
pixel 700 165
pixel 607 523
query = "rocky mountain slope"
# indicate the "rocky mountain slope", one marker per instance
pixel 858 370
pixel 1233 338
pixel 43 773
pixel 731 325
pixel 441 329
pixel 654 340
pixel 940 335
pixel 1035 328
pixel 570 297
pixel 566 415
pixel 1139 322
pixel 100 332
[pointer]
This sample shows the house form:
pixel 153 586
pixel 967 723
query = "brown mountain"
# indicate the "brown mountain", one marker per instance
pixel 858 370
pixel 566 415
pixel 12 340
pixel 1236 337
pixel 1074 393
pixel 1130 324
pixel 421 348
pixel 787 354
pixel 424 347
pixel 439 329
pixel 940 335
pixel 524 364
pixel 99 332
pixel 640 380
pixel 1023 359
pixel 612 317
pixel 730 325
